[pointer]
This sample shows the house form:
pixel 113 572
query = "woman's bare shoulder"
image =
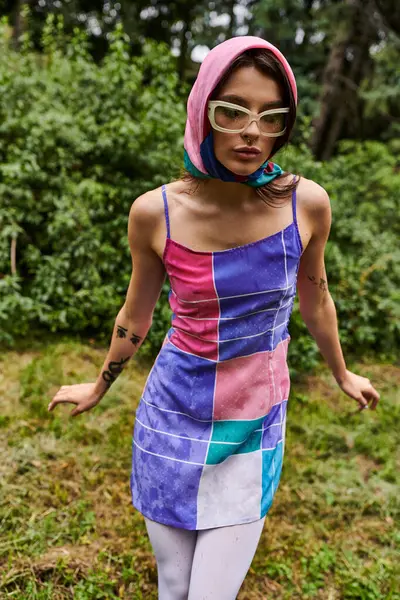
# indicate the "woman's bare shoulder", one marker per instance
pixel 150 205
pixel 313 198
pixel 147 215
pixel 314 207
pixel 147 208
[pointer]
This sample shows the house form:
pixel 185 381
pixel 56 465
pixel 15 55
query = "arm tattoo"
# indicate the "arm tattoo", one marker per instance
pixel 121 333
pixel 114 369
pixel 135 339
pixel 322 283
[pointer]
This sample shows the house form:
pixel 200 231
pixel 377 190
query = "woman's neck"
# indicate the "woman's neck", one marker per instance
pixel 229 193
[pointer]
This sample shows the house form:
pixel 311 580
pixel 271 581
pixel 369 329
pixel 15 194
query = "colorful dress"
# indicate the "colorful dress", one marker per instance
pixel 209 433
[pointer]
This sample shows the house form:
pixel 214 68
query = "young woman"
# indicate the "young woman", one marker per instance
pixel 209 433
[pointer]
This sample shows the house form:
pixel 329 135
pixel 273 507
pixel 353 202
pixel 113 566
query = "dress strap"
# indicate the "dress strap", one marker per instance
pixel 294 199
pixel 164 193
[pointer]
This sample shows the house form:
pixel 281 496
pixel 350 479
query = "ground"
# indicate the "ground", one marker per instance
pixel 68 528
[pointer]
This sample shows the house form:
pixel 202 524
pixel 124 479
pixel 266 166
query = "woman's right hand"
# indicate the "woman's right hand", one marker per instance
pixel 81 394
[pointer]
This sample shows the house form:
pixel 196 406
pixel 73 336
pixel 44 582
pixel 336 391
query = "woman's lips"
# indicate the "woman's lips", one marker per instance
pixel 247 155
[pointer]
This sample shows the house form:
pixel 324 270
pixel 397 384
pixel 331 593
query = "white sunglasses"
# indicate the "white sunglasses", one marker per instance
pixel 232 118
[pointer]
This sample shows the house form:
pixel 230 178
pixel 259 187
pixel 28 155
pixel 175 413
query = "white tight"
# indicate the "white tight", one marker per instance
pixel 206 564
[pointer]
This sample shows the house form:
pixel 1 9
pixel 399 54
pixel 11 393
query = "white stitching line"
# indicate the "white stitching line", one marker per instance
pixel 226 359
pixel 226 297
pixel 182 437
pixel 285 322
pixel 280 303
pixel 188 462
pixel 272 425
pixel 197 355
pixel 219 314
pixel 216 370
pixel 177 412
pixel 244 337
pixel 230 318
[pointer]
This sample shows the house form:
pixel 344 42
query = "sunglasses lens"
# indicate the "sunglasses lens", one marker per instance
pixel 273 123
pixel 230 118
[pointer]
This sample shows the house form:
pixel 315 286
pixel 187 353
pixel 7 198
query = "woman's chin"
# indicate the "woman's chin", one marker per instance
pixel 240 168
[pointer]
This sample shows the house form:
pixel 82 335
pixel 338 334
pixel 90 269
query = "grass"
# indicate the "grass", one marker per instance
pixel 68 529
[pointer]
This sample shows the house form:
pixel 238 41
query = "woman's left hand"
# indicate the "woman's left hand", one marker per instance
pixel 359 388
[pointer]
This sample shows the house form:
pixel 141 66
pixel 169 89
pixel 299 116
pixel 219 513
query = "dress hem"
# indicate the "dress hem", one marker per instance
pixel 179 525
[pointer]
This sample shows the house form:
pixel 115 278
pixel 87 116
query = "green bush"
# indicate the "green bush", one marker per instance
pixel 78 143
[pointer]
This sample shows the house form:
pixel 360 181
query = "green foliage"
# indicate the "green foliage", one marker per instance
pixel 78 143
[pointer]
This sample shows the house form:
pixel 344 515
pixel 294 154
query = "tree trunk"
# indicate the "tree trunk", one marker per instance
pixel 390 11
pixel 342 77
pixel 183 51
pixel 187 17
pixel 18 24
pixel 232 22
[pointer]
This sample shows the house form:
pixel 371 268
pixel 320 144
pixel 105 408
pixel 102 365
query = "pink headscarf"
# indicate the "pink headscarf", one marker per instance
pixel 211 70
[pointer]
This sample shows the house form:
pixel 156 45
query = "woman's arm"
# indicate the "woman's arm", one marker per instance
pixel 317 307
pixel 135 317
pixel 315 301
